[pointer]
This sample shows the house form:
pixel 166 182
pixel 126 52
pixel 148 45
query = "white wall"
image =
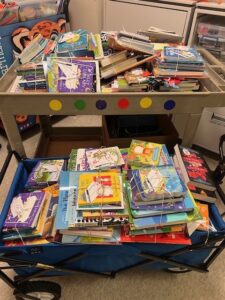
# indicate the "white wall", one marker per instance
pixel 86 14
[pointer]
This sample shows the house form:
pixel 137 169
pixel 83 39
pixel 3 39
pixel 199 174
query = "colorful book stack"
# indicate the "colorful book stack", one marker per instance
pixel 111 196
pixel 79 61
pixel 31 216
pixel 181 67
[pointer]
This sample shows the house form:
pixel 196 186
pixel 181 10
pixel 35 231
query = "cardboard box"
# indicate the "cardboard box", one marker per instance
pixel 161 130
pixel 15 37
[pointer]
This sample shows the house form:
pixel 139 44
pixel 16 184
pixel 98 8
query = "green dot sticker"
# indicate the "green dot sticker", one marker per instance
pixel 55 105
pixel 80 104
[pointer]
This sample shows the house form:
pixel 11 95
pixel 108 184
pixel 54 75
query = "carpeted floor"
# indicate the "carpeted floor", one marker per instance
pixel 139 283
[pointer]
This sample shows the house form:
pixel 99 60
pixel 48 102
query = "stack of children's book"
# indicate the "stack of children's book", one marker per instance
pixel 113 196
pixel 31 216
pixel 79 61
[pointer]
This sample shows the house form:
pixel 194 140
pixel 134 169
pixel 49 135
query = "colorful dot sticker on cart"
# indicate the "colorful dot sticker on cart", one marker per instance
pixel 55 105
pixel 101 104
pixel 80 104
pixel 145 102
pixel 169 105
pixel 123 103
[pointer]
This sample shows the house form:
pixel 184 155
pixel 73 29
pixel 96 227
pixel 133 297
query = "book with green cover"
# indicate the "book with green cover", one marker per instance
pixel 144 153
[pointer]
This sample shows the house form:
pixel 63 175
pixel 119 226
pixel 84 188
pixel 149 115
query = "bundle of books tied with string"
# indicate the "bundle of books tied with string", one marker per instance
pixel 110 196
pixel 111 61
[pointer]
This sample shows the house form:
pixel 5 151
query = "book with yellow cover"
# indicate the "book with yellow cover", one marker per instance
pixel 144 153
pixel 102 188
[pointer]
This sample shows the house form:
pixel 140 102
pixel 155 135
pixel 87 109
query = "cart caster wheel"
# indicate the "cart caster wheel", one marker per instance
pixel 39 290
pixel 177 270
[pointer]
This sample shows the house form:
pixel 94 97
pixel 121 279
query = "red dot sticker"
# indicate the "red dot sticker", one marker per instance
pixel 123 103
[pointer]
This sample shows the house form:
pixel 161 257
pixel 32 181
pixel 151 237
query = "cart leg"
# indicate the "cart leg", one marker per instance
pixel 45 124
pixel 190 129
pixel 13 134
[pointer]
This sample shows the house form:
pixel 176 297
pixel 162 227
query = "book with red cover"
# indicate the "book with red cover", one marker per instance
pixel 180 238
pixel 194 168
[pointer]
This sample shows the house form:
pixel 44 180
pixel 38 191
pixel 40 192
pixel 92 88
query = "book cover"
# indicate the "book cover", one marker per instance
pixel 204 211
pixel 144 153
pixel 163 229
pixel 104 158
pixel 99 189
pixel 95 44
pixel 164 208
pixel 202 194
pixel 165 238
pixel 24 210
pixel 194 168
pixel 72 160
pixel 44 173
pixel 157 183
pixel 182 54
pixel 71 41
pixel 165 159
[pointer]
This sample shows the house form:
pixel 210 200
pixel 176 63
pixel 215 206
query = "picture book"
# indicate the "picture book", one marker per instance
pixel 157 183
pixel 202 194
pixel 46 172
pixel 162 229
pixel 71 166
pixel 204 211
pixel 164 238
pixel 52 209
pixel 182 54
pixel 104 158
pixel 99 189
pixel 165 159
pixel 24 210
pixel 194 168
pixel 36 241
pixel 71 75
pixel 71 41
pixel 161 209
pixel 95 44
pixel 144 153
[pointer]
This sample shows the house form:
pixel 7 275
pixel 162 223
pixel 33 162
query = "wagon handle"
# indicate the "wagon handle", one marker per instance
pixel 7 162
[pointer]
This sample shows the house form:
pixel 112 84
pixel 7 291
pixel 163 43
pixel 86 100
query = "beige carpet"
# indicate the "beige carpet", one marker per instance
pixel 135 283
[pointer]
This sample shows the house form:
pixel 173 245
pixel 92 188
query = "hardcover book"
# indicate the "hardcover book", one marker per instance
pixel 144 153
pixel 182 54
pixel 45 173
pixel 104 158
pixel 71 41
pixel 24 210
pixel 194 168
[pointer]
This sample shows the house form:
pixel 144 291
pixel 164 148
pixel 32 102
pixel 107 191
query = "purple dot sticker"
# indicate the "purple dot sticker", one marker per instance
pixel 169 105
pixel 101 104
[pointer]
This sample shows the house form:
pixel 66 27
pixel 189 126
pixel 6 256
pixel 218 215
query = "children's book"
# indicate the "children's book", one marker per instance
pixel 72 160
pixel 204 211
pixel 202 194
pixel 72 41
pixel 95 44
pixel 186 205
pixel 24 210
pixel 155 183
pixel 99 189
pixel 182 54
pixel 194 168
pixel 70 75
pixel 165 159
pixel 45 173
pixel 104 158
pixel 165 238
pixel 144 153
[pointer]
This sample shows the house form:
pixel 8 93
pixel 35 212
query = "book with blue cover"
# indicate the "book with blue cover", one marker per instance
pixel 183 54
pixel 186 205
pixel 156 183
pixel 72 41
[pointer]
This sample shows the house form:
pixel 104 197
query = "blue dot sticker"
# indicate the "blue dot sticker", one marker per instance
pixel 169 105
pixel 101 104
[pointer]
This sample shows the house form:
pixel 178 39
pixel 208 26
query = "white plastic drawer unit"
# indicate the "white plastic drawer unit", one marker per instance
pixel 133 15
pixel 210 129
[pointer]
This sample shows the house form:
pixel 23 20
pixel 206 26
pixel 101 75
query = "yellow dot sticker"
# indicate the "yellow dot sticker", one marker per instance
pixel 55 105
pixel 146 102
